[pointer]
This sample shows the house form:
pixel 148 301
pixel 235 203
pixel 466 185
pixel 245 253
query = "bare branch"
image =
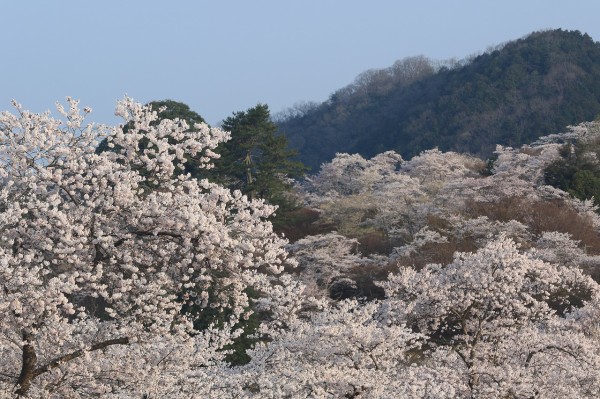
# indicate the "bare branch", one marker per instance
pixel 73 355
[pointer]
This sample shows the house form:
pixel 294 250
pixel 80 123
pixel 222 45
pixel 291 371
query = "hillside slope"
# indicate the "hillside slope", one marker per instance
pixel 510 95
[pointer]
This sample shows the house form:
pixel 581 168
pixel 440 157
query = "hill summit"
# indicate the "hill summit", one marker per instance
pixel 509 95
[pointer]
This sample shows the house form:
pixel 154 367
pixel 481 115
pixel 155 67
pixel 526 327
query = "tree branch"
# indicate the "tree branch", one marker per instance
pixel 73 355
pixel 549 347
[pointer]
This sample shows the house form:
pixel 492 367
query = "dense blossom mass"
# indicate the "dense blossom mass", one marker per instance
pixel 99 256
pixel 436 277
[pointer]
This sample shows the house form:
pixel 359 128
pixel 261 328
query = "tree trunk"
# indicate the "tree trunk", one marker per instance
pixel 27 367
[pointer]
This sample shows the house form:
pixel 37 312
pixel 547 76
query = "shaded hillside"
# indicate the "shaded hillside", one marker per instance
pixel 511 95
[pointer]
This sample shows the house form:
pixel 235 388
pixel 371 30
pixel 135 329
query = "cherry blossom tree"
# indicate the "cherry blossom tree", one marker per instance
pixel 434 167
pixel 97 259
pixel 527 162
pixel 504 321
pixel 496 323
pixel 346 349
pixel 350 174
pixel 324 258
pixel 355 193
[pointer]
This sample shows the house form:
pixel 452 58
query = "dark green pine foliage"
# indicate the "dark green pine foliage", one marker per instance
pixel 577 172
pixel 176 110
pixel 257 161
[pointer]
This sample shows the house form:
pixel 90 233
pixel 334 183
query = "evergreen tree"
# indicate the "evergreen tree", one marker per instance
pixel 256 160
pixel 577 171
pixel 169 109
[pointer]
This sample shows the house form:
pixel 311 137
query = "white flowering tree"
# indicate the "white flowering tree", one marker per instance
pixel 527 163
pixel 504 323
pixel 343 350
pixel 433 168
pixel 496 323
pixel 97 259
pixel 360 196
pixel 324 258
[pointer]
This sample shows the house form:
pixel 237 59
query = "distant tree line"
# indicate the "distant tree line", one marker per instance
pixel 509 95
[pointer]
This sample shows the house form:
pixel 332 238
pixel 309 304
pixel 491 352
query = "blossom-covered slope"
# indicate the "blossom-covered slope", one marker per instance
pixel 441 276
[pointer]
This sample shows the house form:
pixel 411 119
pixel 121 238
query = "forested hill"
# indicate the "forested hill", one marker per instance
pixel 510 95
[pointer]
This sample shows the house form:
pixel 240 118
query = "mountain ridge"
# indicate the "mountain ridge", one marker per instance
pixel 509 95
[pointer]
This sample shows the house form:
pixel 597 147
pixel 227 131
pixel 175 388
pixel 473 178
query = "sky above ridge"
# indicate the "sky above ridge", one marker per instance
pixel 225 56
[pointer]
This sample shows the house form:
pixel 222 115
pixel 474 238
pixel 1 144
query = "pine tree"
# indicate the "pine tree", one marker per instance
pixel 257 161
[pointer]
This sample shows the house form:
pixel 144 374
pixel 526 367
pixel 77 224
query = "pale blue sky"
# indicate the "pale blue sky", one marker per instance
pixel 224 56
